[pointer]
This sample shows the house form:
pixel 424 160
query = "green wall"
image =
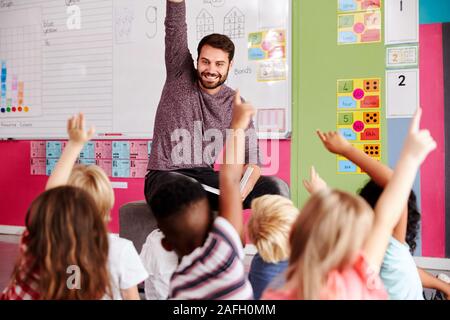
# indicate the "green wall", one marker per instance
pixel 318 62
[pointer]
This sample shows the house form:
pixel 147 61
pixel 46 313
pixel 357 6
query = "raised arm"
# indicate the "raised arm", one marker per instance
pixel 389 207
pixel 380 173
pixel 77 138
pixel 337 144
pixel 177 51
pixel 230 200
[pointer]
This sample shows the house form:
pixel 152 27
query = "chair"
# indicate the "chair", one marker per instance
pixel 136 222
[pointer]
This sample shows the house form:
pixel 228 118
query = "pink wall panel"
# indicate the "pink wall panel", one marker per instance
pixel 433 170
pixel 18 187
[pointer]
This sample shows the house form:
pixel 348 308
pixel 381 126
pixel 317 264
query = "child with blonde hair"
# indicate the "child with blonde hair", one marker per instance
pixel 94 180
pixel 268 229
pixel 125 266
pixel 399 273
pixel 338 243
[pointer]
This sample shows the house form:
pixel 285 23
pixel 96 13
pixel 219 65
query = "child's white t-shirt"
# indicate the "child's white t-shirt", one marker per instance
pixel 125 266
pixel 160 265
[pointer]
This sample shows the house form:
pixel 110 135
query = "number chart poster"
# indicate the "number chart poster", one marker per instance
pixel 268 49
pixel 359 21
pixel 119 159
pixel 359 118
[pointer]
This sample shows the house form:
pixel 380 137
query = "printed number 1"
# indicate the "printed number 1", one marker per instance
pixel 401 5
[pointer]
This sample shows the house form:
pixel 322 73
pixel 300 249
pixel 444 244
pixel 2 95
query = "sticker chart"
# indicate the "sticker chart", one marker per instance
pixel 119 159
pixel 359 118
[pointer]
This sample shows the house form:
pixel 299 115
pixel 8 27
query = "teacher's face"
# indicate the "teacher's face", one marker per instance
pixel 212 67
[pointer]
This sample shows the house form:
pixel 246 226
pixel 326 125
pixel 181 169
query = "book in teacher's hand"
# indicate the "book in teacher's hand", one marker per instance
pixel 243 183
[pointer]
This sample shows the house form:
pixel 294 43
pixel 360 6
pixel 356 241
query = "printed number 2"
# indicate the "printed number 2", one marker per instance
pixel 402 82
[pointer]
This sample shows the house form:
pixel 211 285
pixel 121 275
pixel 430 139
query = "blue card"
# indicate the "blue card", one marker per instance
pixel 347 166
pixel 347 37
pixel 88 151
pixel 121 150
pixel 347 5
pixel 256 54
pixel 121 169
pixel 50 166
pixel 348 134
pixel 53 149
pixel 346 103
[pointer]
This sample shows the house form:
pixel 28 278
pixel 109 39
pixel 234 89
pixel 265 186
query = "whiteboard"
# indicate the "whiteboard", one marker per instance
pixel 106 58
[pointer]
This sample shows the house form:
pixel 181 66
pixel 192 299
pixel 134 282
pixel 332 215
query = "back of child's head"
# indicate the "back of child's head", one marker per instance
pixel 181 208
pixel 371 192
pixel 269 226
pixel 64 229
pixel 95 181
pixel 328 235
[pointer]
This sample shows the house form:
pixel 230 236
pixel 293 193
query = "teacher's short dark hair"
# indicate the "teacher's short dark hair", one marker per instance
pixel 218 41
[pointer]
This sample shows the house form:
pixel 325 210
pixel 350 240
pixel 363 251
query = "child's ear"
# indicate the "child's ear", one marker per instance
pixel 166 244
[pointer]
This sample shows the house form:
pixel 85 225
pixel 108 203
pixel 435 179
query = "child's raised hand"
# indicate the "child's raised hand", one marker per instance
pixel 77 138
pixel 316 183
pixel 334 142
pixel 76 132
pixel 242 113
pixel 419 143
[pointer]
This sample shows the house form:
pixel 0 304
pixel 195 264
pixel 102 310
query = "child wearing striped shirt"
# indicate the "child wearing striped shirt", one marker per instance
pixel 209 249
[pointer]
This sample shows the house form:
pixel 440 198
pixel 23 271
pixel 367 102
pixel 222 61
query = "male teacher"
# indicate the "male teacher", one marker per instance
pixel 197 101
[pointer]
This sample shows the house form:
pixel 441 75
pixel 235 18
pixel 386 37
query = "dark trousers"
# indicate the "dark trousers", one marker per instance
pixel 264 185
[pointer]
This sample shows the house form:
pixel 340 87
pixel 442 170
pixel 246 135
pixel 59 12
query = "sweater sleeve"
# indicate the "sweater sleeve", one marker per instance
pixel 177 55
